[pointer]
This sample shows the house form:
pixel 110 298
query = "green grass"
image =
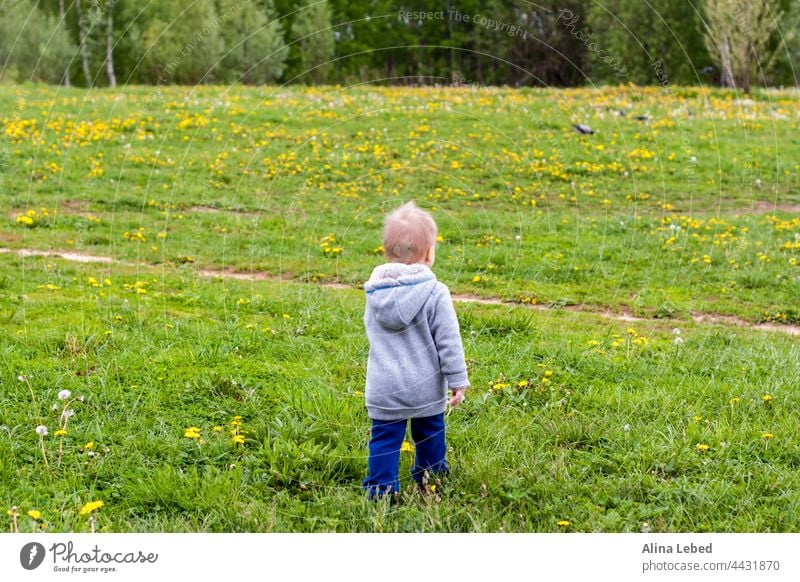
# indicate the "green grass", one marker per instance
pixel 693 211
pixel 608 441
pixel 572 416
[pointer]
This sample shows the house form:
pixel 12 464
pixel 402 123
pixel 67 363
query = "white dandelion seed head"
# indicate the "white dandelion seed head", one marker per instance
pixel 518 237
pixel 64 394
pixel 68 413
pixel 41 430
pixel 626 428
pixel 55 407
pixel 676 331
pixel 678 341
pixel 21 378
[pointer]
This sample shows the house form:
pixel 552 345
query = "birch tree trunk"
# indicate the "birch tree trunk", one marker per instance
pixel 112 78
pixel 737 37
pixel 62 13
pixel 84 48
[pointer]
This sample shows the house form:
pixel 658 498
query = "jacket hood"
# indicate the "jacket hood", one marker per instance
pixel 396 292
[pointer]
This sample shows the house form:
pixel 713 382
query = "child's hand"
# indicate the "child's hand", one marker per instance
pixel 458 396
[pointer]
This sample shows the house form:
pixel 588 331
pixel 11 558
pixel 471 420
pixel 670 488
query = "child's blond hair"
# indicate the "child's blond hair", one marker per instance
pixel 408 233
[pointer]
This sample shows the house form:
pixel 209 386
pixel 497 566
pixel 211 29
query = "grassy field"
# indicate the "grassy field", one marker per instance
pixel 214 403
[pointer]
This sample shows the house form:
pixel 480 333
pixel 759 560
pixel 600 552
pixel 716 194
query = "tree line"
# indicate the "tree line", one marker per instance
pixel 735 43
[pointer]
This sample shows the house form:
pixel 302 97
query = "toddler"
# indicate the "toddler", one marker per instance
pixel 415 353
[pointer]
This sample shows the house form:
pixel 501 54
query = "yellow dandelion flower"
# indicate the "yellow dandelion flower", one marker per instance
pixel 88 446
pixel 734 400
pixel 407 447
pixel 217 428
pixel 476 279
pixel 238 439
pixel 35 514
pixel 91 507
pixel 563 523
pixel 767 398
pixel 767 436
pixel 192 433
pixel 60 432
pixel 702 448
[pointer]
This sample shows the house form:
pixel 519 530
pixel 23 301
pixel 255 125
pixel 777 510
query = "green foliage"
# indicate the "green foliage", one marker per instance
pixel 737 35
pixel 32 45
pixel 468 42
pixel 252 41
pixel 182 42
pixel 640 34
pixel 313 40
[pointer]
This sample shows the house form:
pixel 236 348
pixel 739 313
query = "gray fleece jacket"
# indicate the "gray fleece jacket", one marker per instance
pixel 415 351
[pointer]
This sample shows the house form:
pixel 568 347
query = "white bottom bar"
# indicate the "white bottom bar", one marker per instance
pixel 390 557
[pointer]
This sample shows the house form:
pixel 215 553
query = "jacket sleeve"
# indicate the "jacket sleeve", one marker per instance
pixel 447 339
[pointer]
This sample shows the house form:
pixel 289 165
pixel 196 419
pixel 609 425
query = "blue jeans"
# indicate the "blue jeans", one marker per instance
pixel 384 452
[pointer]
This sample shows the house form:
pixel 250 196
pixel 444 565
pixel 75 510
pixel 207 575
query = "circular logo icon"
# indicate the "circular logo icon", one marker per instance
pixel 31 555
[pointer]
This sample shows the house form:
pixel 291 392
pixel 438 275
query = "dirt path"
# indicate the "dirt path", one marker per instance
pixel 66 255
pixel 766 206
pixel 700 318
